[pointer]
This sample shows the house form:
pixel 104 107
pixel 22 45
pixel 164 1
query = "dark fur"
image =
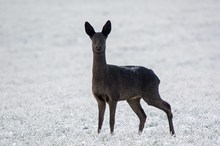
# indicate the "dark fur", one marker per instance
pixel 111 83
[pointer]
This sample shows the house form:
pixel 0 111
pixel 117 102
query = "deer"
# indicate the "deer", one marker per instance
pixel 111 83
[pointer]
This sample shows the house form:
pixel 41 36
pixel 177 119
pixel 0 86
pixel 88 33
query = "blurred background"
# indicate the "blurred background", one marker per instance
pixel 46 63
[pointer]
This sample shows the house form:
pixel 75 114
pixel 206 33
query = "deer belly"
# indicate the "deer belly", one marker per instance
pixel 129 94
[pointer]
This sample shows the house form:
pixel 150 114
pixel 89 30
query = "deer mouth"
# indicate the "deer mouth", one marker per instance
pixel 99 51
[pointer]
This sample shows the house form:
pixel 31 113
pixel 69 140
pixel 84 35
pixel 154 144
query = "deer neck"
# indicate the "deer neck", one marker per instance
pixel 99 66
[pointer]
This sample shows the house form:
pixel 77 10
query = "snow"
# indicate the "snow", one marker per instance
pixel 46 60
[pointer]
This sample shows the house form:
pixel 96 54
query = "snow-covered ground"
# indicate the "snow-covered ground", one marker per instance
pixel 45 70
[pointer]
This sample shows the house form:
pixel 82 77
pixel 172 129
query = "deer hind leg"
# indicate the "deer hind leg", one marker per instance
pixel 156 101
pixel 101 108
pixel 169 116
pixel 136 107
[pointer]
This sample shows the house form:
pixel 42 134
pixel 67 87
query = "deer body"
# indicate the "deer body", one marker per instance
pixel 111 83
pixel 125 82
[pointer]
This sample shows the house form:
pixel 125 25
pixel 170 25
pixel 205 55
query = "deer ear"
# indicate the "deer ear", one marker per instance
pixel 106 28
pixel 89 29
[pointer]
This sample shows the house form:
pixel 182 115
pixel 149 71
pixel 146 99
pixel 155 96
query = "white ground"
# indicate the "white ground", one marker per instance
pixel 45 70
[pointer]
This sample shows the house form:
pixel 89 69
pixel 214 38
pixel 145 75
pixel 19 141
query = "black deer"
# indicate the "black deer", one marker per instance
pixel 111 83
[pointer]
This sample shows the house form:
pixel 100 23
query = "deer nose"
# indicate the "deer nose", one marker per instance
pixel 98 48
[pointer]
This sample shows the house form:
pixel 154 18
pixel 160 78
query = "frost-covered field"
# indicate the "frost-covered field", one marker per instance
pixel 45 70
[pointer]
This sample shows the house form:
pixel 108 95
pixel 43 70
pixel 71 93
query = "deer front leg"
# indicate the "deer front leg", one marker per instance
pixel 101 108
pixel 112 109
